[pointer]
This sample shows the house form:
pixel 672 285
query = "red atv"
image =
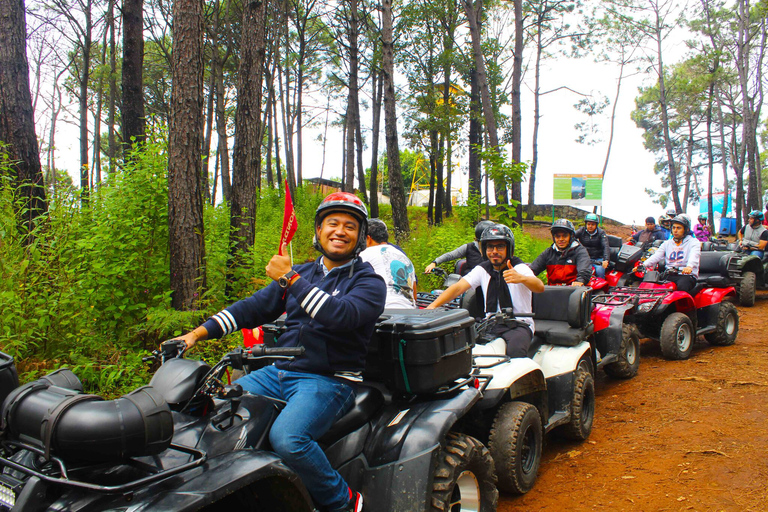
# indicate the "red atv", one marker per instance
pixel 624 257
pixel 675 318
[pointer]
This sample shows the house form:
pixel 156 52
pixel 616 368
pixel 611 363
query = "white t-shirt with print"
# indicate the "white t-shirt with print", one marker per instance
pixel 521 296
pixel 397 271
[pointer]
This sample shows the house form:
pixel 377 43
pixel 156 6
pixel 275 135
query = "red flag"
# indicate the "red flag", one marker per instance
pixel 289 221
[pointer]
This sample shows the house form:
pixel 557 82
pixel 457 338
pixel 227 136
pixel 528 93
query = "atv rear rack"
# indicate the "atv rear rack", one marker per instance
pixel 198 458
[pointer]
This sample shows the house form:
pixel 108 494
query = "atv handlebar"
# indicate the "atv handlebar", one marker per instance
pixel 439 272
pixel 169 349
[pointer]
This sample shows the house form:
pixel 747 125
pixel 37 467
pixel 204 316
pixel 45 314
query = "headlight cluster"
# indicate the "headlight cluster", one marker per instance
pixel 646 307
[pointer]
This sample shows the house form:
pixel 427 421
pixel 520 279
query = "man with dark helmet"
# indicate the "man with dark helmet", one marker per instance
pixel 504 282
pixel 566 261
pixel 753 237
pixel 332 305
pixel 650 234
pixel 470 251
pixel 595 241
pixel 682 252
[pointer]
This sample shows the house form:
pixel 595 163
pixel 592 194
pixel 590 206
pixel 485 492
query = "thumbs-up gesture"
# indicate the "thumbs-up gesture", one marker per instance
pixel 279 265
pixel 511 275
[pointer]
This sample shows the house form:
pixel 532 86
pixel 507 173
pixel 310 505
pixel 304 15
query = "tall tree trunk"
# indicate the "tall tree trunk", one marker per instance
pixel 97 117
pixel 134 122
pixel 270 136
pixel 111 144
pixel 185 196
pixel 84 78
pixel 440 191
pixel 247 150
pixel 536 120
pixel 665 120
pixel 399 211
pixel 221 128
pixel 475 135
pixel 473 18
pixel 17 125
pixel 209 122
pixel 376 84
pixel 517 111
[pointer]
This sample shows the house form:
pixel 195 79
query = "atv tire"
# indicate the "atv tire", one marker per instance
pixel 582 404
pixel 516 446
pixel 747 289
pixel 464 477
pixel 727 326
pixel 629 356
pixel 677 337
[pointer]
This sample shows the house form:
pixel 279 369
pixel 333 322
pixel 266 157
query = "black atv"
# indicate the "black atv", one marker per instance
pixel 730 266
pixel 189 441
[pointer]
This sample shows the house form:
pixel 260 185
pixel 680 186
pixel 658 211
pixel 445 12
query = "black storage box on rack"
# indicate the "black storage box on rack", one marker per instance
pixel 419 351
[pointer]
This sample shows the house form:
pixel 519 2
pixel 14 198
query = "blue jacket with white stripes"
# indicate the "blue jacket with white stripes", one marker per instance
pixel 331 316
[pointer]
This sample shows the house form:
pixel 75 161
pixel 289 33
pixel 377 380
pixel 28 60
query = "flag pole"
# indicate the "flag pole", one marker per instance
pixel 290 246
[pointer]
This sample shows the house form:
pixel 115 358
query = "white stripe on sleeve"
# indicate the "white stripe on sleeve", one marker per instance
pixel 320 303
pixel 231 319
pixel 312 293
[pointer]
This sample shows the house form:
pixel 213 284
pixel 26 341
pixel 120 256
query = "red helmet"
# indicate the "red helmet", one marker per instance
pixel 344 202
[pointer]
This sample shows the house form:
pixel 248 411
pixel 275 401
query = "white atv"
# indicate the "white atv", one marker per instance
pixel 552 389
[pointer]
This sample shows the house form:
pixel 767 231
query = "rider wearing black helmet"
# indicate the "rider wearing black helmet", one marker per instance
pixel 332 305
pixel 470 251
pixel 504 281
pixel 753 237
pixel 595 240
pixel 682 251
pixel 566 261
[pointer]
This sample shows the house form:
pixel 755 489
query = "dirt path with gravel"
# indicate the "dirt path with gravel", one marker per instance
pixel 682 435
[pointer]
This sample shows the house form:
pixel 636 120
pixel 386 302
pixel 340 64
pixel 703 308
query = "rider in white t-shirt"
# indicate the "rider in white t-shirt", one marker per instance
pixel 391 264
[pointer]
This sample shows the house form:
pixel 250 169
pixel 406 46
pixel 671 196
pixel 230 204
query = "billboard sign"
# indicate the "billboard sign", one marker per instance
pixel 578 189
pixel 717 204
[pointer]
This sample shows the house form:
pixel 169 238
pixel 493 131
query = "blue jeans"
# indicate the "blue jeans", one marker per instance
pixel 314 403
pixel 598 266
pixel 759 254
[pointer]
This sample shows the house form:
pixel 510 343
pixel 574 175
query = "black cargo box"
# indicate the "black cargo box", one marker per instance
pixel 419 351
pixel 9 379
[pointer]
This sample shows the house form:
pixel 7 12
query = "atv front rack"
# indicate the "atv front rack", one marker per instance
pixel 198 458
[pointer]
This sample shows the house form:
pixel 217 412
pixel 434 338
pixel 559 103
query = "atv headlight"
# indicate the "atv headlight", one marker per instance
pixel 646 307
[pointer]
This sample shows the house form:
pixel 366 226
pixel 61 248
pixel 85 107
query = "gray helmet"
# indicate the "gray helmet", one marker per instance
pixel 683 221
pixel 563 225
pixel 481 226
pixel 498 232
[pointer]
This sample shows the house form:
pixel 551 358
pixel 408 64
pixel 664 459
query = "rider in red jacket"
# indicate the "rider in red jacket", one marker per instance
pixel 567 262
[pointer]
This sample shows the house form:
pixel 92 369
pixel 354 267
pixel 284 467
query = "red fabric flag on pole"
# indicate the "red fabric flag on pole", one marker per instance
pixel 289 221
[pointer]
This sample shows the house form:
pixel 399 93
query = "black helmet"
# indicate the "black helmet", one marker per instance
pixel 346 203
pixel 563 225
pixel 672 213
pixel 480 228
pixel 498 232
pixel 683 221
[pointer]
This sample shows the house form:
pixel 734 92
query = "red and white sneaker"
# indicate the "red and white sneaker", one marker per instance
pixel 355 501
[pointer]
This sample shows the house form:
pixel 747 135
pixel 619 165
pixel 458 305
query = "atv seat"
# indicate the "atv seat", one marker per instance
pixel 614 244
pixel 368 400
pixel 562 315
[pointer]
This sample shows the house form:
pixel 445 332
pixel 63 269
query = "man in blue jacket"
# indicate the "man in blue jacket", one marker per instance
pixel 332 305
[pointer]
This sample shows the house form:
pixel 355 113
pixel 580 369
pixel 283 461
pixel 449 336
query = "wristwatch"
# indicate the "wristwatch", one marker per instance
pixel 285 280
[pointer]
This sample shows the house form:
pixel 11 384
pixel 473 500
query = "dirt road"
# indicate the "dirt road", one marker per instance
pixel 682 435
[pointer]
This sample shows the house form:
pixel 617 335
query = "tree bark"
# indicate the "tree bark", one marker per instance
pixel 185 195
pixel 376 83
pixel 247 150
pixel 475 134
pixel 221 129
pixel 517 111
pixel 134 122
pixel 17 125
pixel 111 143
pixel 83 79
pixel 399 210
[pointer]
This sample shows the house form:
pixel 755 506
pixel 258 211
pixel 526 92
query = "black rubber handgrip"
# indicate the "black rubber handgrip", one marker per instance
pixel 262 350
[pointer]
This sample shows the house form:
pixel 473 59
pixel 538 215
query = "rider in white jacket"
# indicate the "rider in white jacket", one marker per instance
pixel 682 251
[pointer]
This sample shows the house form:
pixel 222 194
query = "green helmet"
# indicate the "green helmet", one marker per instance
pixel 591 217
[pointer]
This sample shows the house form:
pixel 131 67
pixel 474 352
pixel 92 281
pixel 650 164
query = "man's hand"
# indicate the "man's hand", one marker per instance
pixel 605 263
pixel 512 276
pixel 430 268
pixel 192 337
pixel 278 266
pixel 687 270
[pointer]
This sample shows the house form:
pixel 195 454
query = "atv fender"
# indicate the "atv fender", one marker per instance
pixel 682 301
pixel 278 486
pixel 395 471
pixel 608 321
pixel 709 296
pixel 514 379
pixel 750 263
pixel 557 360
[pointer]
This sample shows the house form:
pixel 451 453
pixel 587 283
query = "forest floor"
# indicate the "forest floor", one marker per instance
pixel 681 435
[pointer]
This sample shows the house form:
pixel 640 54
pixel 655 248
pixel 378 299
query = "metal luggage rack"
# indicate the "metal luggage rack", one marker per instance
pixel 424 299
pixel 198 458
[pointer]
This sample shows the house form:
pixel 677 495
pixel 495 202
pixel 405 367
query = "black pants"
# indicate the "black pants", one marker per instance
pixel 518 338
pixel 685 283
